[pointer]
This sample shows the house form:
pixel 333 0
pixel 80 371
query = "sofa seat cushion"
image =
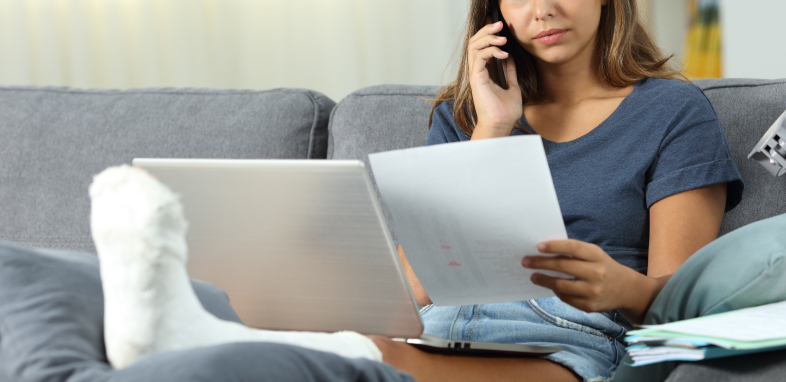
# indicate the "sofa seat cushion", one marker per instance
pixel 51 329
pixel 55 139
pixel 759 367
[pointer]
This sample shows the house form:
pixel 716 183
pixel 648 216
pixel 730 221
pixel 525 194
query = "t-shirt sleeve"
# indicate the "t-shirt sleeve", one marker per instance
pixel 693 154
pixel 443 127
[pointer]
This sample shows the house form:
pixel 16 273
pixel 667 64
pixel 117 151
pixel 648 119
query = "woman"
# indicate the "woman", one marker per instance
pixel 640 165
pixel 639 162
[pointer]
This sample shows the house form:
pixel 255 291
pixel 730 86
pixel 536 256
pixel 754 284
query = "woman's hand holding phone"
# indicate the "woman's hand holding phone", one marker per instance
pixel 498 109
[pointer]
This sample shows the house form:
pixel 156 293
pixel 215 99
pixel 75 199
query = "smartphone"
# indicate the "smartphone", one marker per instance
pixel 497 16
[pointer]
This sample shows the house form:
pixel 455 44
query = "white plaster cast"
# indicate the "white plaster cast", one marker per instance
pixel 149 306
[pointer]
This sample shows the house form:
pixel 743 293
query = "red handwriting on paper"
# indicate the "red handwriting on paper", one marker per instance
pixel 454 264
pixel 445 247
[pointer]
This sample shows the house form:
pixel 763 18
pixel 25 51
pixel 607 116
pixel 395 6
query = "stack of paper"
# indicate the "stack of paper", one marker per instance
pixel 743 331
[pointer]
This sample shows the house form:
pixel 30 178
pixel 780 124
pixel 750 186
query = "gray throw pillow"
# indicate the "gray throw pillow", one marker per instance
pixel 51 329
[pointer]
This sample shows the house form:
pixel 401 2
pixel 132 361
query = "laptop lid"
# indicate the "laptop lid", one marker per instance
pixel 296 244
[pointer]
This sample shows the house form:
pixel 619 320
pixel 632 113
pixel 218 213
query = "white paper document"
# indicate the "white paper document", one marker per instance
pixel 466 213
pixel 766 322
pixel 646 356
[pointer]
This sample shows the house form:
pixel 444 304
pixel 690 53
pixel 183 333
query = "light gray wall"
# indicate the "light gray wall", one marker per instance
pixel 332 46
pixel 754 38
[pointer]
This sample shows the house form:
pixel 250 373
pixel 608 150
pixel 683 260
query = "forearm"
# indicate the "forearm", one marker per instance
pixel 639 293
pixel 420 294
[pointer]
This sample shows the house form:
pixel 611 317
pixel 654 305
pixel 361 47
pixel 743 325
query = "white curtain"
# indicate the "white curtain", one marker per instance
pixel 333 46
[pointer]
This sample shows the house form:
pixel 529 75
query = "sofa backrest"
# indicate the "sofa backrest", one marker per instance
pixel 379 118
pixel 746 109
pixel 389 117
pixel 53 140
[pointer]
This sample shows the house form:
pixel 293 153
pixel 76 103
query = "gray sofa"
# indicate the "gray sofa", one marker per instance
pixel 52 140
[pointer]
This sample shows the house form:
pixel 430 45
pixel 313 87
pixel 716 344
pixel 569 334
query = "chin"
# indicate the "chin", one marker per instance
pixel 555 58
pixel 554 55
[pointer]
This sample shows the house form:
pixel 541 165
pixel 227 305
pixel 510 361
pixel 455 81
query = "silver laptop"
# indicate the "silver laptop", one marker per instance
pixel 302 245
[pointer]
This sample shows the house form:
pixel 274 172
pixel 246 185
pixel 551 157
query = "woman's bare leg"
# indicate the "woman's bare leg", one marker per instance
pixel 427 367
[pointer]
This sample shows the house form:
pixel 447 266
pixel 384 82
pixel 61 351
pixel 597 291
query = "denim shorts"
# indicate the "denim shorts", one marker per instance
pixel 592 343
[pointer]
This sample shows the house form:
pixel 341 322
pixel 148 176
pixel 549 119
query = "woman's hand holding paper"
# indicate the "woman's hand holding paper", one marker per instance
pixel 600 283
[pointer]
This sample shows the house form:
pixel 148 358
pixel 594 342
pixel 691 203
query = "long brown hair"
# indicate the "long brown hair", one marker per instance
pixel 625 47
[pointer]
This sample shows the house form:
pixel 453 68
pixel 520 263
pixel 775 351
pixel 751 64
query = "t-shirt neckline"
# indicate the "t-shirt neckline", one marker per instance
pixel 611 118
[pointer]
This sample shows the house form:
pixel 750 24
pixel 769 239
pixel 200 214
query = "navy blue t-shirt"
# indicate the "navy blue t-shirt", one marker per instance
pixel 663 139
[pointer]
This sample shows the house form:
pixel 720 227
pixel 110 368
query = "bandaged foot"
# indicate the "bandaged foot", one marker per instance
pixel 149 306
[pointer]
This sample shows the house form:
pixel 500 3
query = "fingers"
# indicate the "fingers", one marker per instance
pixel 481 41
pixel 560 286
pixel 482 50
pixel 487 41
pixel 576 268
pixel 575 248
pixel 489 29
pixel 484 56
pixel 579 294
